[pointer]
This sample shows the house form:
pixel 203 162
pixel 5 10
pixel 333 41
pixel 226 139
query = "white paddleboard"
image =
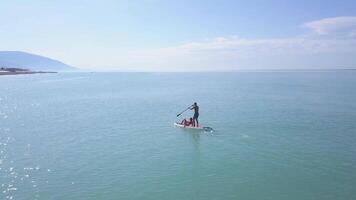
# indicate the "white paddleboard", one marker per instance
pixel 189 127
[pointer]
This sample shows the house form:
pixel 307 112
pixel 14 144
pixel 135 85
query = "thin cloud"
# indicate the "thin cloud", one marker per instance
pixel 335 25
pixel 233 52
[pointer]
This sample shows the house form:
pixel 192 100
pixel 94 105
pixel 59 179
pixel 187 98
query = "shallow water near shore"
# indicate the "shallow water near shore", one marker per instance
pixel 278 135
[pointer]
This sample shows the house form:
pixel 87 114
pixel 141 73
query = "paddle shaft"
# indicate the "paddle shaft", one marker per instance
pixel 184 111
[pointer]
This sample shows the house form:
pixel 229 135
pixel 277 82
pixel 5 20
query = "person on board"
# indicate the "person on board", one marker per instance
pixel 195 107
pixel 186 122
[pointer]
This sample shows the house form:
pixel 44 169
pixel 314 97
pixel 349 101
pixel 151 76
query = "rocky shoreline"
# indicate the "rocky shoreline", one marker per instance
pixel 18 71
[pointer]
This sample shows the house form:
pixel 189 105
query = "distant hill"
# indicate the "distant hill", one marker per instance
pixel 19 59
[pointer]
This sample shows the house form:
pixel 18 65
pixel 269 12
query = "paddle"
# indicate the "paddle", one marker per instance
pixel 184 111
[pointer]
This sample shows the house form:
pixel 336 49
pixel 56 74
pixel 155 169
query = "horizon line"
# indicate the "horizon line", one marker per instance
pixel 217 71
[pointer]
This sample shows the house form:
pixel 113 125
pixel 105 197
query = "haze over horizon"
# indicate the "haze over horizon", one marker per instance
pixel 157 35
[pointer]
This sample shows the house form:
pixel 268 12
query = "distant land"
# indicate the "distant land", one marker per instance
pixel 31 62
pixel 16 71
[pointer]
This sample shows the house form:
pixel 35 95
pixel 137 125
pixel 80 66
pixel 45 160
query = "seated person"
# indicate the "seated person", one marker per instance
pixel 186 122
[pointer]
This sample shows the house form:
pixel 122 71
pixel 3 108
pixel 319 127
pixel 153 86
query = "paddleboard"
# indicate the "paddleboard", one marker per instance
pixel 188 127
pixel 200 128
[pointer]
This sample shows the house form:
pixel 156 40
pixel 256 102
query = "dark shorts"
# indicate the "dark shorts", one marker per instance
pixel 196 115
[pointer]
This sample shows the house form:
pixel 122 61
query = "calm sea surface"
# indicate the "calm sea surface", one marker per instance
pixel 278 136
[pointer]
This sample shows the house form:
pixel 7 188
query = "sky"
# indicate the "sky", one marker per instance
pixel 184 35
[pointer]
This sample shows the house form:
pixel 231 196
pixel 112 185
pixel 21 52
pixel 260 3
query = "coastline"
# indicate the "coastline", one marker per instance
pixel 3 73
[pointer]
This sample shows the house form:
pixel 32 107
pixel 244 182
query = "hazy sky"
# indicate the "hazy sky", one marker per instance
pixel 184 35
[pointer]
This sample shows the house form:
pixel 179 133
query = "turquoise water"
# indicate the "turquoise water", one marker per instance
pixel 278 135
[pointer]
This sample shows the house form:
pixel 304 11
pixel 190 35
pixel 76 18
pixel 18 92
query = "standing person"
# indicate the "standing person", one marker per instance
pixel 195 107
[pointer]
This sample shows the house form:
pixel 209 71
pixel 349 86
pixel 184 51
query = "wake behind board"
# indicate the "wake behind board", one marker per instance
pixel 200 128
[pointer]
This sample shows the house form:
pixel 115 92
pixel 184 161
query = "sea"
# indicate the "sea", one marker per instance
pixel 277 135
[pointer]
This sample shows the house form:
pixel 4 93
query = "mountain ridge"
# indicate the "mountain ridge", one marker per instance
pixel 21 59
